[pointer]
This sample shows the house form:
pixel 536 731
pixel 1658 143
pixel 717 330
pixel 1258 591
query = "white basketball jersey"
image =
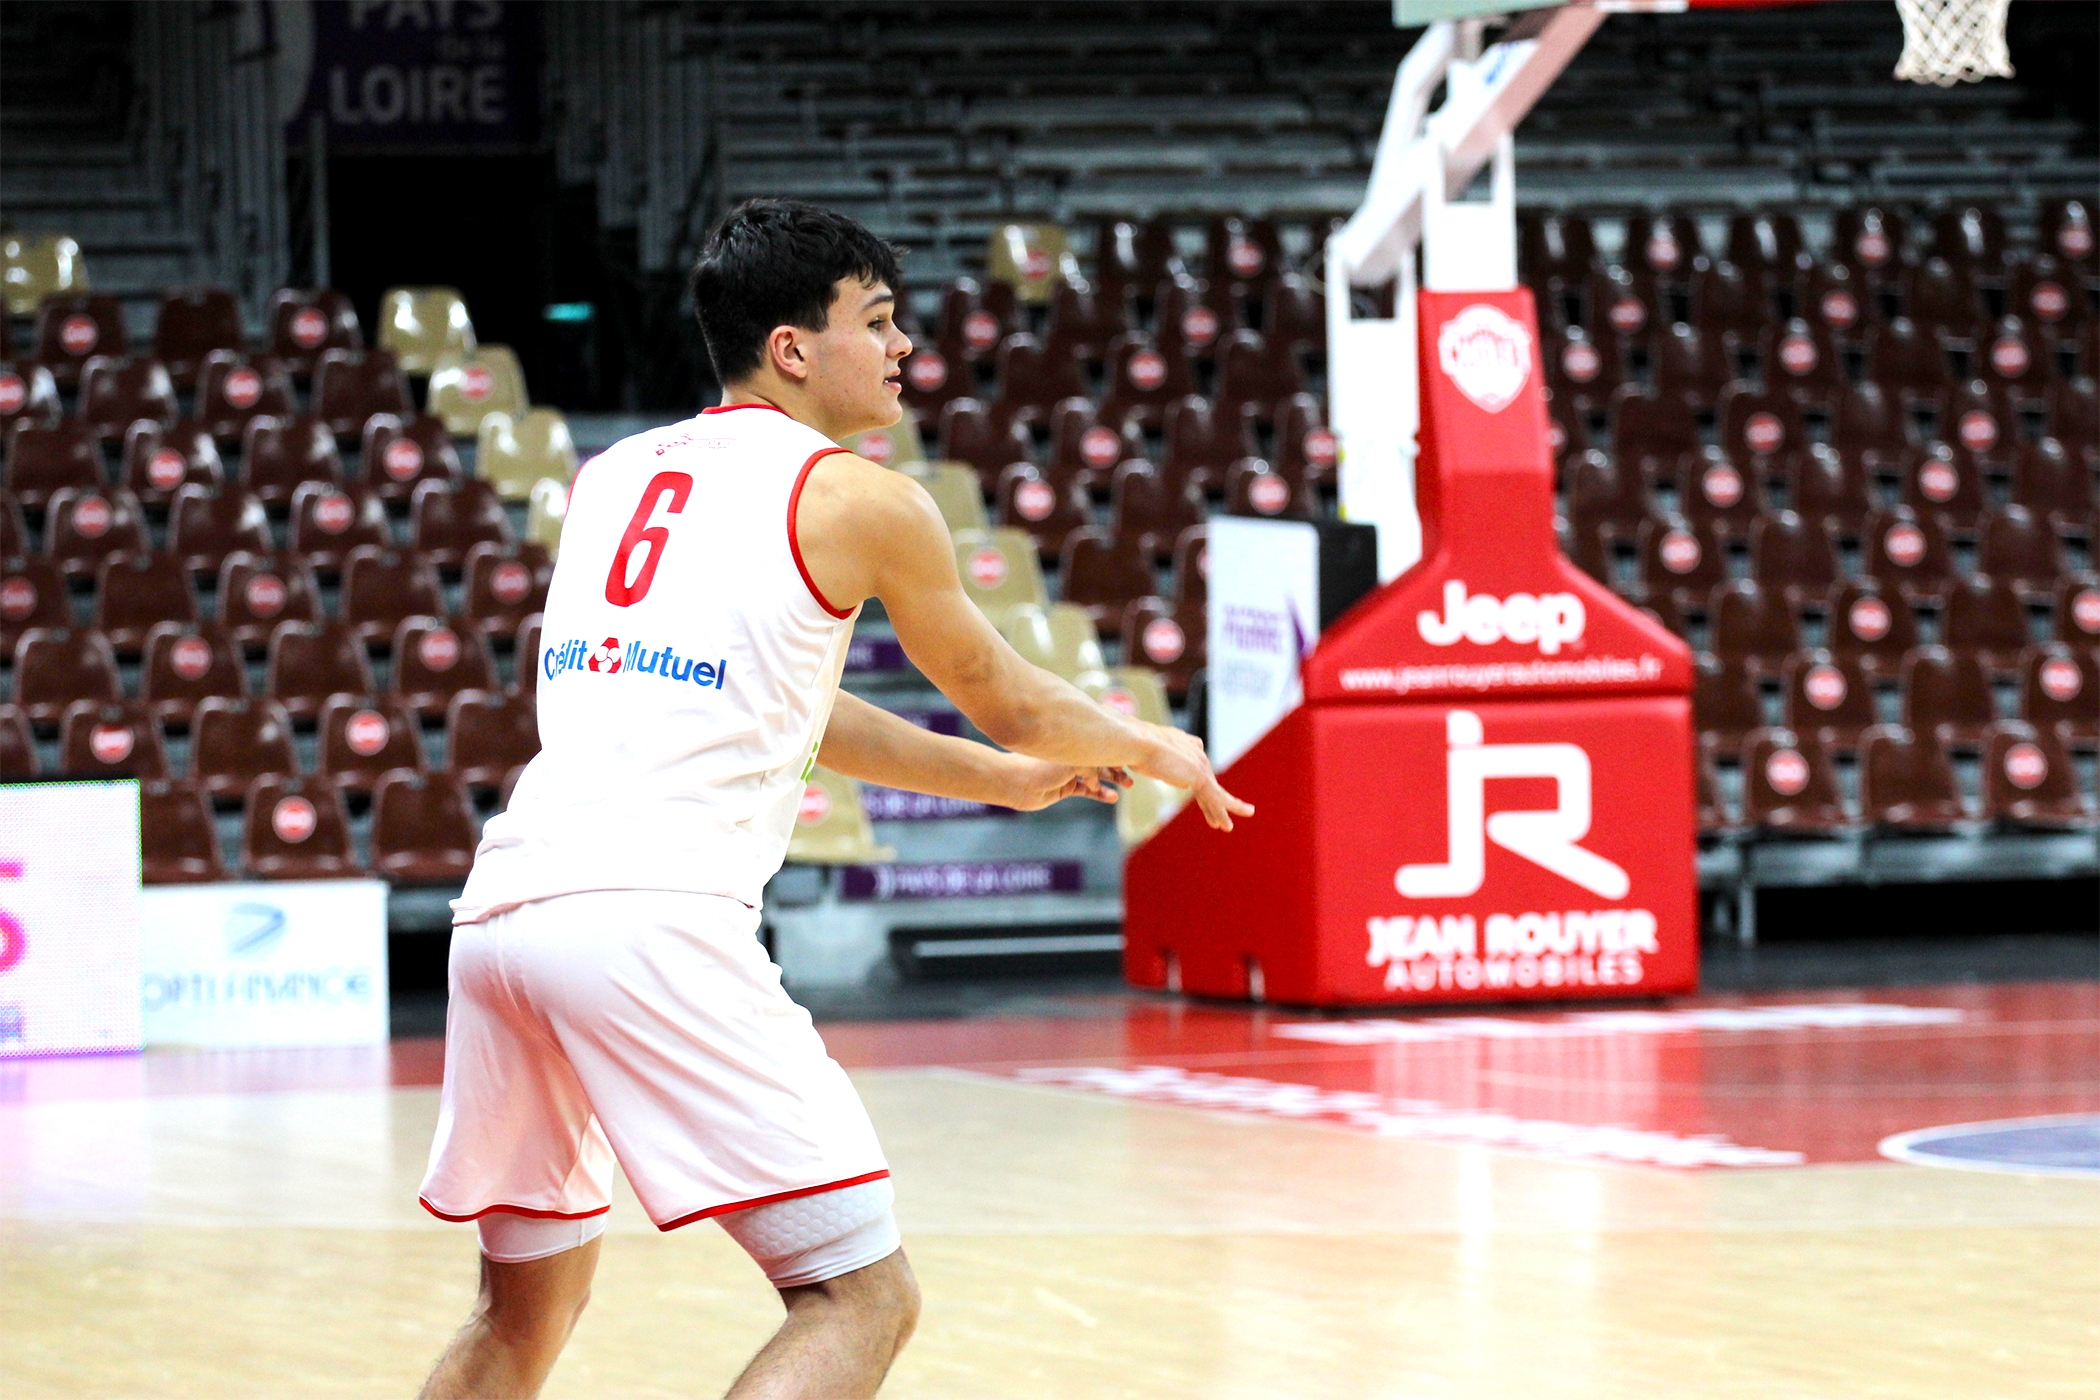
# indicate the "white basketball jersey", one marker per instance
pixel 686 671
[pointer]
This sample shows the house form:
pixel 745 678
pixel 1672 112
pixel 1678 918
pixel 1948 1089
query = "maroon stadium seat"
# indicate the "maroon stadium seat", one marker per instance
pixel 1977 416
pixel 42 460
pixel 134 592
pixel 1032 378
pixel 258 591
pixel 1944 481
pixel 1294 313
pixel 2018 547
pixel 1940 297
pixel 55 666
pixel 186 663
pixel 2077 610
pixel 2074 418
pixel 115 393
pixel 1689 364
pixel 352 385
pixel 1758 425
pixel 2010 352
pixel 974 319
pixel 1252 488
pixel 1620 302
pixel 971 435
pixel 932 380
pixel 310 661
pixel 1193 316
pixel 1948 693
pixel 1970 235
pixel 1829 488
pixel 2060 689
pixel 1711 811
pixel 489 736
pixel 1255 376
pixel 1243 250
pixel 74 327
pixel 295 829
pixel 1801 360
pixel 1306 448
pixel 1142 505
pixel 401 454
pixel 2051 483
pixel 505 584
pixel 1665 245
pixel 1142 380
pixel 1025 501
pixel 361 739
pixel 1751 626
pixel 159 461
pixel 2028 779
pixel 1765 240
pixel 111 739
pixel 1713 490
pixel 28 393
pixel 17 745
pixel 32 594
pixel 1907 551
pixel 1651 423
pixel 1103 573
pixel 1679 557
pixel 1986 616
pixel 2046 292
pixel 434 661
pixel 14 529
pixel 2066 228
pixel 422 829
pixel 1086 450
pixel 382 585
pixel 1871 239
pixel 194 323
pixel 231 394
pixel 1584 370
pixel 1729 299
pixel 1907 362
pixel 1161 635
pixel 1790 787
pixel 1726 702
pixel 1083 322
pixel 206 526
pixel 328 522
pixel 178 845
pixel 1870 627
pixel 526 654
pixel 1833 298
pixel 1202 445
pixel 82 527
pixel 1601 494
pixel 1826 696
pixel 304 324
pixel 1868 426
pixel 280 455
pixel 234 741
pixel 449 518
pixel 1556 242
pixel 1906 782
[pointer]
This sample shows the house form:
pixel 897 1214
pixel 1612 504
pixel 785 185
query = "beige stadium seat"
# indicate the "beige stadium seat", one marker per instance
pixel 465 391
pixel 1144 808
pixel 832 827
pixel 1059 638
pixel 424 327
pixel 898 445
pixel 514 454
pixel 1137 691
pixel 34 266
pixel 1033 257
pixel 999 570
pixel 956 490
pixel 548 507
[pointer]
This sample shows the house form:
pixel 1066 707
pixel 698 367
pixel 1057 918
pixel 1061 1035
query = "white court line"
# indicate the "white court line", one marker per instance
pixel 1809 1016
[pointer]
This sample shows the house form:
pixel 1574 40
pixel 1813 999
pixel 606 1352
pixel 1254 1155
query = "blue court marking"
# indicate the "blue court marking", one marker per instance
pixel 2065 1145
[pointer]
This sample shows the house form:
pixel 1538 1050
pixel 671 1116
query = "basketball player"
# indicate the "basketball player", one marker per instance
pixel 609 997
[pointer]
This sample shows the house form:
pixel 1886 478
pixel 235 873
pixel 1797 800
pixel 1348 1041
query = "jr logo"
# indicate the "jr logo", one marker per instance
pixel 1545 838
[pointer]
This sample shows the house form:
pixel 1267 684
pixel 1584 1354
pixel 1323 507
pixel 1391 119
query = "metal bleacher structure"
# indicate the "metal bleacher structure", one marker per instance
pixel 1115 233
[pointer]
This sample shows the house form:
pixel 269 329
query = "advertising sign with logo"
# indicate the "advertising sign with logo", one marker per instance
pixel 1264 612
pixel 290 963
pixel 69 918
pixel 383 74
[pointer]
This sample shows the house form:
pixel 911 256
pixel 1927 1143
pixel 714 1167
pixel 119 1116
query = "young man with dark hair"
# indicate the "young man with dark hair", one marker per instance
pixel 609 998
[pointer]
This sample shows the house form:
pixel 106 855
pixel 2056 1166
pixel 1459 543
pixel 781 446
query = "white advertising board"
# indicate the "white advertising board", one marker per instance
pixel 1264 616
pixel 289 963
pixel 69 918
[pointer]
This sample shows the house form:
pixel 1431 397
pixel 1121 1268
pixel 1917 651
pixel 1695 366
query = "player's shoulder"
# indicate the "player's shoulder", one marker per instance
pixel 845 479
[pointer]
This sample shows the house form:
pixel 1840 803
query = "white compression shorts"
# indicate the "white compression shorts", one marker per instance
pixel 796 1242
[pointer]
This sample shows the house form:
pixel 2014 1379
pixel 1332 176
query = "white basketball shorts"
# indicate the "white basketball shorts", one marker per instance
pixel 645 1025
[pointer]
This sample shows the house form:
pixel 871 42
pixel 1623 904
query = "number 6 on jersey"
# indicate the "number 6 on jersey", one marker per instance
pixel 618 590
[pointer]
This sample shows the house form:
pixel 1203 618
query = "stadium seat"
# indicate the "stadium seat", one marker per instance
pixel 17 746
pixel 434 661
pixel 352 385
pixel 1192 571
pixel 1032 379
pixel 1254 377
pixel 832 828
pixel 2047 292
pixel 1870 238
pixel 1689 365
pixel 1729 299
pixel 1651 423
pixel 2028 780
pixel 525 651
pixel 1167 638
pixel 422 829
pixel 1136 691
pixel 1086 450
pixel 1243 250
pixel 259 590
pixel 1679 557
pixel 932 380
pixel 1553 241
pixel 1252 488
pixel 422 327
pixel 28 393
pixel 2066 227
pixel 383 585
pixel 1944 481
pixel 1307 450
pixel 544 513
pixel 1712 490
pixel 1060 638
pixel 2010 352
pixel 1970 234
pixel 110 739
pixel 1142 505
pixel 512 454
pixel 159 461
pixel 1748 626
pixel 1801 360
pixel 231 393
pixel 970 435
pixel 33 267
pixel 1758 425
pixel 1103 572
pixel 1827 696
pixel 1790 787
pixel 1940 298
pixel 178 844
pixel 310 661
pixel 1868 426
pixel 1949 693
pixel 1710 811
pixel 1907 551
pixel 1977 416
pixel 465 390
pixel 999 570
pixel 399 455
pixel 32 594
pixel 1191 318
pixel 2077 610
pixel 1599 494
pixel 234 741
pixel 1870 628
pixel 192 325
pixel 2016 546
pixel 330 521
pixel 1027 502
pixel 898 445
pixel 81 527
pixel 1145 806
pixel 2050 483
pixel 186 662
pixel 446 519
pixel 1907 362
pixel 489 736
pixel 1119 262
pixel 1030 258
pixel 1829 488
pixel 1833 298
pixel 1142 380
pixel 1765 240
pixel 295 829
pixel 14 529
pixel 1986 616
pixel 974 319
pixel 135 591
pixel 505 584
pixel 205 526
pixel 360 739
pixel 1083 322
pixel 280 455
pixel 1294 313
pixel 2073 416
pixel 957 495
pixel 2060 689
pixel 75 327
pixel 54 666
pixel 42 460
pixel 115 393
pixel 305 324
pixel 1906 782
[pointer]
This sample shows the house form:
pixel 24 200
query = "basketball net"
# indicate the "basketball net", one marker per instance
pixel 1953 41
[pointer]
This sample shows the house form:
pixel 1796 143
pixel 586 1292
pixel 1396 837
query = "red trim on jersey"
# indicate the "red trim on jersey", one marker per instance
pixel 513 1210
pixel 795 545
pixel 769 1200
pixel 733 407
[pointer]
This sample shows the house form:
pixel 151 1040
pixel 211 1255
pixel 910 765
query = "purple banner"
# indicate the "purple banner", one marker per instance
pixel 936 721
pixel 875 654
pixel 892 805
pixel 961 879
pixel 388 76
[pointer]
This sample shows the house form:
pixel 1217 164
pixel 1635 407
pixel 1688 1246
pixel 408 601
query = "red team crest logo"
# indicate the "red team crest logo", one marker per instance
pixel 403 459
pixel 1099 447
pixel 78 334
pixel 1199 326
pixel 1487 353
pixel 333 513
pixel 265 595
pixel 1787 772
pixel 1163 641
pixel 191 657
pixel 606 659
pixel 166 469
pixel 1763 432
pixel 987 568
pixel 110 743
pixel 2026 766
pixel 14 393
pixel 1979 430
pixel 367 733
pixel 243 387
pixel 293 819
pixel 926 370
pixel 1870 619
pixel 309 327
pixel 1147 370
pixel 476 383
pixel 816 805
pixel 92 517
pixel 18 598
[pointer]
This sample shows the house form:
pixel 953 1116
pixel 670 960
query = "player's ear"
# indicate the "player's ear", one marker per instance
pixel 787 353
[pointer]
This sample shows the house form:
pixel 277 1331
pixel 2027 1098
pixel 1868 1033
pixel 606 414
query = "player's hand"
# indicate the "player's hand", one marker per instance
pixel 1179 761
pixel 1034 784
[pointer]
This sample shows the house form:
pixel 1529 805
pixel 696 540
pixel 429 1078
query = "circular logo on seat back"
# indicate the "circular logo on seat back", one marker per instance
pixel 1797 355
pixel 1163 641
pixel 1663 249
pixel 14 392
pixel 293 819
pixel 1679 551
pixel 264 595
pixel 165 469
pixel 1786 772
pixel 509 582
pixel 439 649
pixel 980 331
pixel 1872 247
pixel 367 732
pixel 1824 687
pixel 190 657
pixel 242 388
pixel 92 517
pixel 77 334
pixel 1627 314
pixel 2074 239
pixel 1199 326
pixel 926 370
pixel 1722 485
pixel 1121 699
pixel 1034 500
pixel 1268 493
pixel 1764 432
pixel 111 743
pixel 18 597
pixel 1245 257
pixel 2009 356
pixel 1036 264
pixel 1099 447
pixel 2049 302
pixel 2026 766
pixel 2059 679
pixel 815 807
pixel 2085 610
pixel 402 459
pixel 1938 482
pixel 309 327
pixel 1977 430
pixel 334 513
pixel 1146 370
pixel 476 383
pixel 1581 362
pixel 1870 618
pixel 1840 309
pixel 878 448
pixel 987 567
pixel 1904 544
pixel 1322 447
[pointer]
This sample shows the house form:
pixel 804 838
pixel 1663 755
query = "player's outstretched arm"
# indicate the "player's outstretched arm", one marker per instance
pixel 867 532
pixel 867 742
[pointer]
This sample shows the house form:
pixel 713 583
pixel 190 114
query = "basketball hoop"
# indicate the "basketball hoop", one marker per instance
pixel 1953 41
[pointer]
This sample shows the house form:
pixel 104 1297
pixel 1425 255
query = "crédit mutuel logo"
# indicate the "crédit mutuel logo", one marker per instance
pixel 608 657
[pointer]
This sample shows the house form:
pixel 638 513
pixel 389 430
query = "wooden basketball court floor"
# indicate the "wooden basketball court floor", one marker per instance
pixel 1137 1198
